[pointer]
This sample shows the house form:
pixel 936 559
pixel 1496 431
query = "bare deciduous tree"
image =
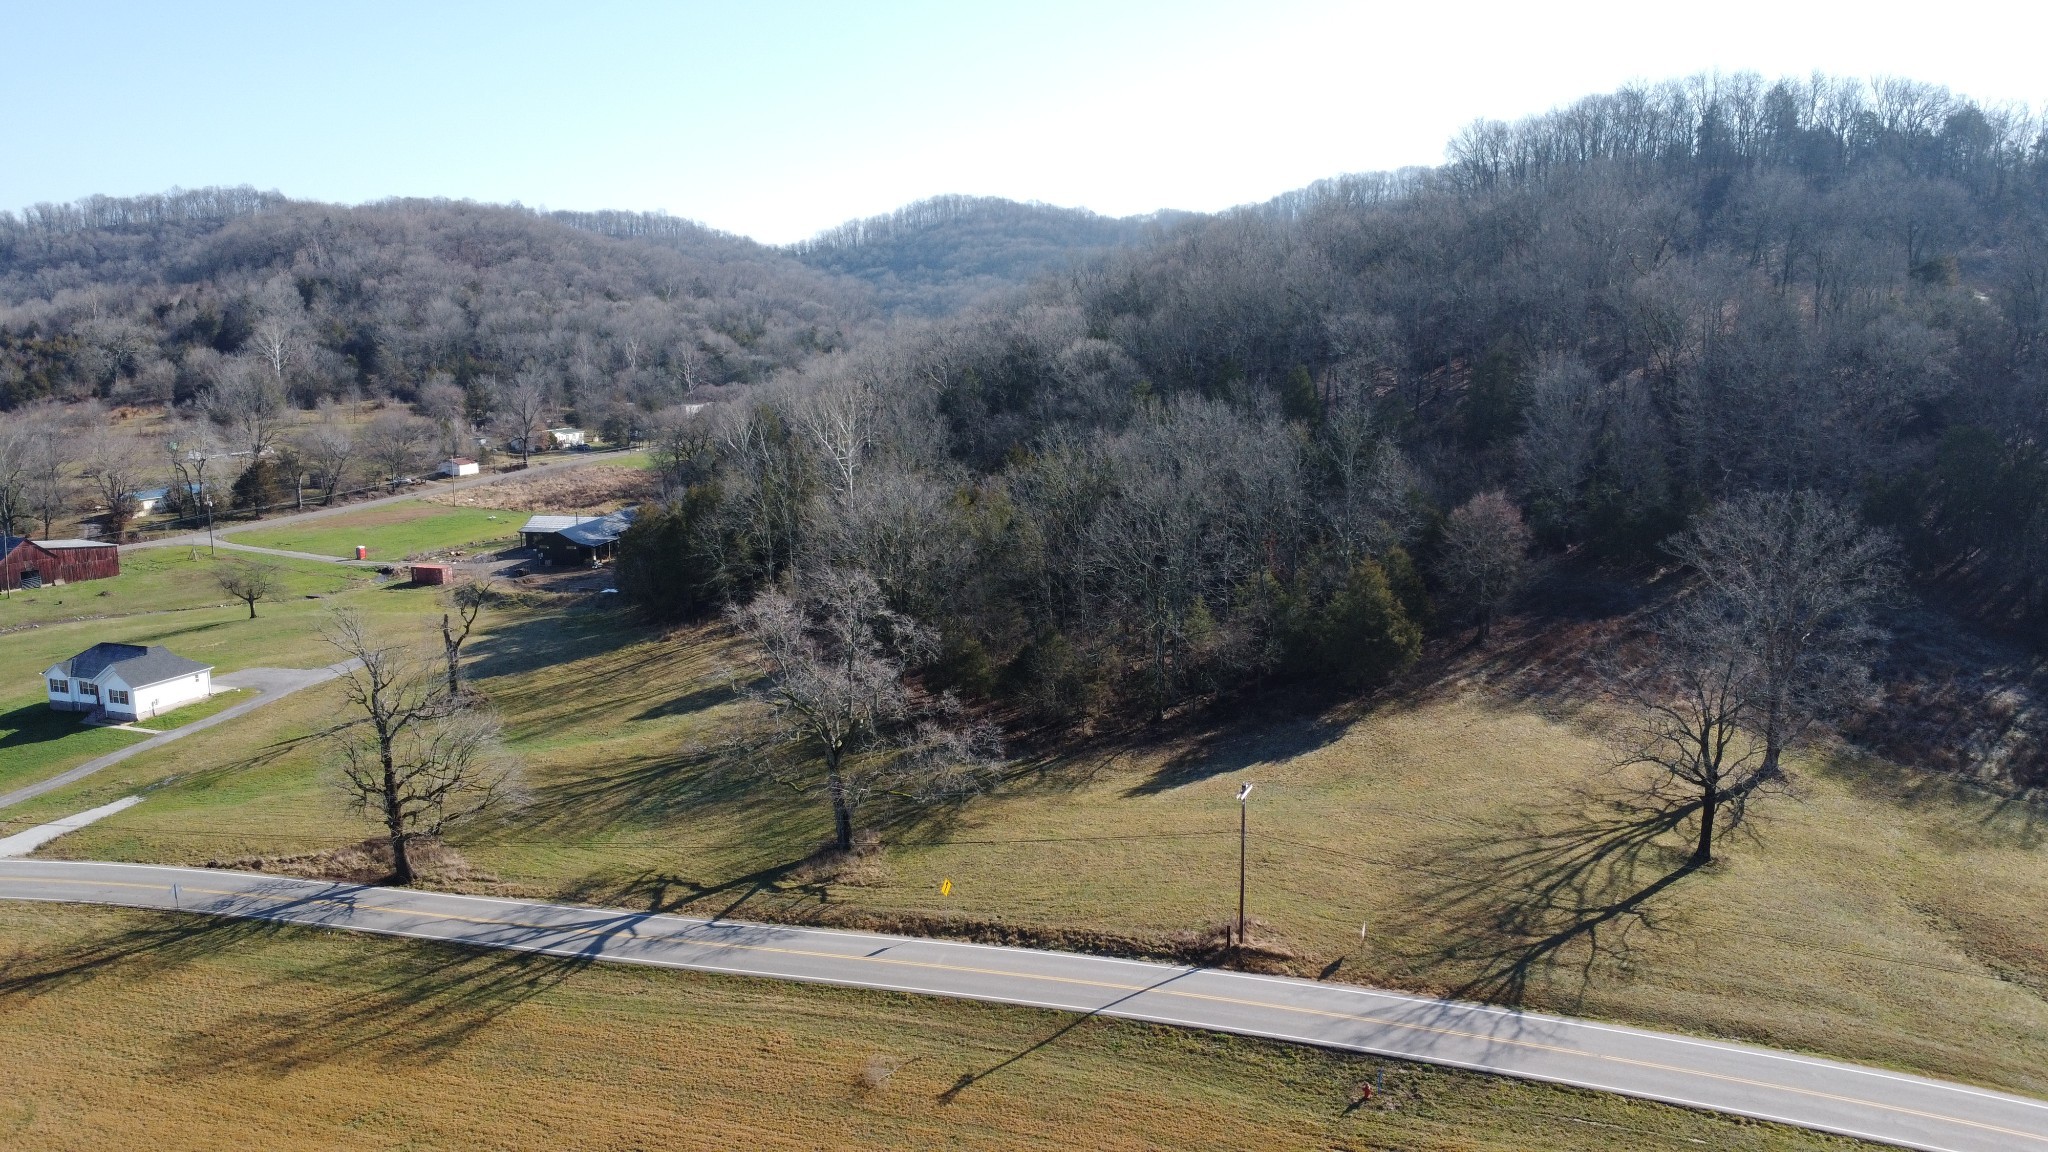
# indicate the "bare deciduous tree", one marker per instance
pixel 17 451
pixel 1561 425
pixel 248 401
pixel 1791 580
pixel 1367 510
pixel 397 443
pixel 1196 494
pixel 328 449
pixel 1690 725
pixel 250 583
pixel 117 465
pixel 47 485
pixel 278 337
pixel 838 655
pixel 683 447
pixel 466 604
pixel 837 417
pixel 523 407
pixel 1485 555
pixel 416 759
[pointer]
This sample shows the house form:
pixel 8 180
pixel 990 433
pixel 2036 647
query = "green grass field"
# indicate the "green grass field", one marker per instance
pixel 391 532
pixel 1442 844
pixel 164 580
pixel 130 1029
pixel 36 742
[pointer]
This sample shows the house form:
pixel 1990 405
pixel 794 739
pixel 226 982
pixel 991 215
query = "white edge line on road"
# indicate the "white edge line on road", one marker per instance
pixel 1735 1049
pixel 1171 972
pixel 1141 1017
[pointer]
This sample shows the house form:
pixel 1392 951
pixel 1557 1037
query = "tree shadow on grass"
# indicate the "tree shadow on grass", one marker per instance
pixel 1958 813
pixel 1548 898
pixel 1234 750
pixel 402 1001
pixel 397 999
pixel 544 639
pixel 162 942
pixel 214 774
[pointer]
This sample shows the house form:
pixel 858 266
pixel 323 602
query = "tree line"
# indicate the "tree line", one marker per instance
pixel 1282 444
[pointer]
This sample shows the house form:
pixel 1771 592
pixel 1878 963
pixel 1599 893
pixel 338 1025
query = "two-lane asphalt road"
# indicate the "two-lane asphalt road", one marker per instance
pixel 1912 1111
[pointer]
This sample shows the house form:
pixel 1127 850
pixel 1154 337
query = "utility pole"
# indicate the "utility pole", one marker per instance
pixel 1243 794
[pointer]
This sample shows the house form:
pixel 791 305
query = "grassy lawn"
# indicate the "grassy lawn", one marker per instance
pixel 129 1029
pixel 391 532
pixel 221 700
pixel 36 742
pixel 162 580
pixel 284 634
pixel 1443 843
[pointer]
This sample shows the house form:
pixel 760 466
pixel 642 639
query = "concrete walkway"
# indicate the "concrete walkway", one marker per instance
pixel 23 843
pixel 269 683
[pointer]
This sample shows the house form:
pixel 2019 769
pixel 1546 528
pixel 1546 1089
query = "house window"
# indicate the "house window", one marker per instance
pixel 61 687
pixel 88 688
pixel 116 696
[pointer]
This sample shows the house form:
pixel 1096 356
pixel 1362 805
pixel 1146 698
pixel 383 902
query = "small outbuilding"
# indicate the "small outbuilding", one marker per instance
pixel 460 466
pixel 433 574
pixel 153 500
pixel 28 563
pixel 587 540
pixel 126 681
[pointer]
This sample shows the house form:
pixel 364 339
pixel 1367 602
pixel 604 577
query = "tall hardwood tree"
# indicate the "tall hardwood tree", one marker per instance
pixel 838 657
pixel 415 758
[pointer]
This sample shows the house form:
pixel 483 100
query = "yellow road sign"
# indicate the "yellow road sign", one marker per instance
pixel 946 886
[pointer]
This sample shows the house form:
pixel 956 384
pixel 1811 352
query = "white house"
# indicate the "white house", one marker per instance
pixel 126 681
pixel 567 437
pixel 459 466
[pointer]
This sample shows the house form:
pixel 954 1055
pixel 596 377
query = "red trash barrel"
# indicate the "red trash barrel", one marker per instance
pixel 362 552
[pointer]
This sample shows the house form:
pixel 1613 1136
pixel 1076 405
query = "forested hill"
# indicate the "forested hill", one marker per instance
pixel 932 257
pixel 142 299
pixel 1208 459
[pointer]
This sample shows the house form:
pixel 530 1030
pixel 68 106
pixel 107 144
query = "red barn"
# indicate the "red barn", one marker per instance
pixel 35 563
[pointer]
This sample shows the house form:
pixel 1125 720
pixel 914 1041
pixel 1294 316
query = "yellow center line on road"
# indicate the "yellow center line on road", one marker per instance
pixel 1112 986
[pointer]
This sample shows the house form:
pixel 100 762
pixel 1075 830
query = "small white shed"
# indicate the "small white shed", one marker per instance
pixel 459 466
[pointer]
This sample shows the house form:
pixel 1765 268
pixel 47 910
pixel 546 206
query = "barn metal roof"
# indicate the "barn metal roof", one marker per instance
pixel 589 531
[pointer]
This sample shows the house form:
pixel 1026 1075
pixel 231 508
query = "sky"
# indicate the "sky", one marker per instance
pixel 776 120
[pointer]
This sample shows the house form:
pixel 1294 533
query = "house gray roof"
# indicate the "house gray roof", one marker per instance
pixel 589 531
pixel 138 665
pixel 55 544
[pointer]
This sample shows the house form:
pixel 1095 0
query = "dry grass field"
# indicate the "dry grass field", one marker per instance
pixel 597 488
pixel 125 1029
pixel 1455 842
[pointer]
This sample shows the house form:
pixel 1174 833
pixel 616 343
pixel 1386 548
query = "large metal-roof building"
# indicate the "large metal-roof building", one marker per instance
pixel 575 539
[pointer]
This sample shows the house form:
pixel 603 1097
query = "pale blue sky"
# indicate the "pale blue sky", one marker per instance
pixel 778 119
